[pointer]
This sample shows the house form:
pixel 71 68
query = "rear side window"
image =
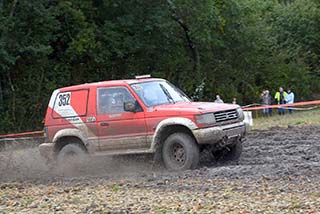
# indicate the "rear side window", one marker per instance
pixel 111 100
pixel 71 104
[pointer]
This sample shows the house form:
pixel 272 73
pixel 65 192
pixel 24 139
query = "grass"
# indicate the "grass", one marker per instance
pixel 311 117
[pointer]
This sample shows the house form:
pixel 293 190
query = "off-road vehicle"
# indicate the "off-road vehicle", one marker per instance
pixel 137 116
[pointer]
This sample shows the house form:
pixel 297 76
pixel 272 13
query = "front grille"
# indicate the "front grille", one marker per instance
pixel 222 116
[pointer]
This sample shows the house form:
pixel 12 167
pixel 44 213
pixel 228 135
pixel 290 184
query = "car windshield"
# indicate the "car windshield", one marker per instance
pixel 159 92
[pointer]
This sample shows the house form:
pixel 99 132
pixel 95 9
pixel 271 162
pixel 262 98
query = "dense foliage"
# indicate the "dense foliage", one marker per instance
pixel 228 47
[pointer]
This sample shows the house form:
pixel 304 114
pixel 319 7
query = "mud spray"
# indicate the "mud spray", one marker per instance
pixel 277 152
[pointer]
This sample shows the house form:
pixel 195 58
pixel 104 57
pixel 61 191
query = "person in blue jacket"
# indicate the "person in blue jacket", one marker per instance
pixel 290 99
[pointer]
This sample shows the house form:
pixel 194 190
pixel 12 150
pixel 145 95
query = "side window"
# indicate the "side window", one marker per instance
pixel 110 100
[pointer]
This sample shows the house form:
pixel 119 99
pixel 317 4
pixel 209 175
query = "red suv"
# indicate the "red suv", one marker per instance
pixel 142 115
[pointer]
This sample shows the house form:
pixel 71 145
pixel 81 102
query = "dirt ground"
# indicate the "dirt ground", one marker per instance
pixel 279 172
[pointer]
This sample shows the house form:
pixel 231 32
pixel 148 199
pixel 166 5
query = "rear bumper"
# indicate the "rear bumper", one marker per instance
pixel 214 135
pixel 47 150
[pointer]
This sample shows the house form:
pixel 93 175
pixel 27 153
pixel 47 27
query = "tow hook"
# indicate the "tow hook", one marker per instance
pixel 224 141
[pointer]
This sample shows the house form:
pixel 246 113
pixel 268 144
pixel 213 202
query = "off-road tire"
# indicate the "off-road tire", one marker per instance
pixel 180 152
pixel 230 153
pixel 72 159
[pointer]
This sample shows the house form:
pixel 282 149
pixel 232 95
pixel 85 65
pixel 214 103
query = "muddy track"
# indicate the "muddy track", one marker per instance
pixel 274 153
pixel 292 151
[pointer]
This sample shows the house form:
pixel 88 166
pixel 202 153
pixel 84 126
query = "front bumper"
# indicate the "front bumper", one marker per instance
pixel 216 134
pixel 47 150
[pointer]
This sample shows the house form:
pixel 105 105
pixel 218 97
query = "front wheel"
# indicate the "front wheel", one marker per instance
pixel 180 152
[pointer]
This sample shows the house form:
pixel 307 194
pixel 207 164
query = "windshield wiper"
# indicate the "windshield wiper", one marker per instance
pixel 166 92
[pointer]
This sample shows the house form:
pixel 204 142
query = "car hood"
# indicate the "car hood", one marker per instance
pixel 195 107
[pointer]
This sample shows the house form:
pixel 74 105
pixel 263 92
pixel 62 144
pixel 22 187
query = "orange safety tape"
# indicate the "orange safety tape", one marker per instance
pixel 315 102
pixel 21 134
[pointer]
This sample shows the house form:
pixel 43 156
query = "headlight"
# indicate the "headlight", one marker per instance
pixel 240 114
pixel 205 119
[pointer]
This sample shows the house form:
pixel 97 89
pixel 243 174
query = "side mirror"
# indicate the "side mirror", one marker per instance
pixel 129 106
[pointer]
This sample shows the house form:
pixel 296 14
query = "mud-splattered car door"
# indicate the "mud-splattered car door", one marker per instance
pixel 118 129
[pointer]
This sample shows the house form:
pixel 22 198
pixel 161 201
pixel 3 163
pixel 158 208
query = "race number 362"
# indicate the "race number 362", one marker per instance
pixel 64 99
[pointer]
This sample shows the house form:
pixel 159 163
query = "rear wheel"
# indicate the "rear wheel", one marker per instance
pixel 180 152
pixel 72 159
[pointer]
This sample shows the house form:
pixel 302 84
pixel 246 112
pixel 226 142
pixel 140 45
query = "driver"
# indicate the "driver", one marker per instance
pixel 150 96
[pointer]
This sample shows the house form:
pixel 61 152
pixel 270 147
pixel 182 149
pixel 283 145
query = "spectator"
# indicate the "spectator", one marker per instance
pixel 280 98
pixel 290 100
pixel 218 99
pixel 266 100
pixel 234 100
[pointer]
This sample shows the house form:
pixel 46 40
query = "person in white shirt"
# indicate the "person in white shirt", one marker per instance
pixel 218 99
